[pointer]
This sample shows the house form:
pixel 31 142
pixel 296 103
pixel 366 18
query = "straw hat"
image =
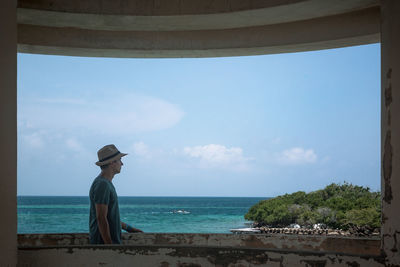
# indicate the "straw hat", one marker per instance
pixel 108 154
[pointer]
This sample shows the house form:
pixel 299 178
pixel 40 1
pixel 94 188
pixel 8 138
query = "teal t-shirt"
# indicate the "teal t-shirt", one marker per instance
pixel 103 191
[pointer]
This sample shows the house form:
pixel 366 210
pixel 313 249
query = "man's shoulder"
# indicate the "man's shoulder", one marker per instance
pixel 100 182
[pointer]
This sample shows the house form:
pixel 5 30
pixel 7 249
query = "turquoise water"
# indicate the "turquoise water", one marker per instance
pixel 151 214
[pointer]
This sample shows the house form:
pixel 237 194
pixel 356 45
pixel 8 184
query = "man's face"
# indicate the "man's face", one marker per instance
pixel 116 165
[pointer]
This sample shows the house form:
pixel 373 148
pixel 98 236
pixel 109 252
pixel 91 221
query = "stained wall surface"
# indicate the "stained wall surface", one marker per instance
pixel 199 250
pixel 184 256
pixel 8 132
pixel 390 120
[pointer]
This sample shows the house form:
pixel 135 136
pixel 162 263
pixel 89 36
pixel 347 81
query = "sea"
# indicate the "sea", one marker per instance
pixel 61 214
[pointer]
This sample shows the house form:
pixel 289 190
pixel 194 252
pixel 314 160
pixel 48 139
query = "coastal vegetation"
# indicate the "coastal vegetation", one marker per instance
pixel 338 206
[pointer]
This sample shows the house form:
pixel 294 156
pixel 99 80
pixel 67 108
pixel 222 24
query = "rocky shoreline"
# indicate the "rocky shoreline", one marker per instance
pixel 358 232
pixel 318 229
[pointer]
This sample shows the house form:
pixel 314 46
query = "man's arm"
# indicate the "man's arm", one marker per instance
pixel 129 228
pixel 101 216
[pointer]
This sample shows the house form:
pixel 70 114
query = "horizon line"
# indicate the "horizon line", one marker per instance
pixel 137 196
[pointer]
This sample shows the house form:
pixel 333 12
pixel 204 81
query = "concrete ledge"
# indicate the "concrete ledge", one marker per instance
pixel 271 242
pixel 151 249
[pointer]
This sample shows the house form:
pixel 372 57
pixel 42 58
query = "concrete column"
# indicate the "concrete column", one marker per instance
pixel 8 133
pixel 390 133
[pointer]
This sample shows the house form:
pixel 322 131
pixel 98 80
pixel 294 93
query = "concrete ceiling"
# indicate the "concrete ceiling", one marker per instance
pixel 193 28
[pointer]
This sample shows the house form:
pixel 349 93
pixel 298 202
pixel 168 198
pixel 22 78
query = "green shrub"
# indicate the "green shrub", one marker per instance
pixel 337 205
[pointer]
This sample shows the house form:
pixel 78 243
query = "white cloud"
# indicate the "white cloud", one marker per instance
pixel 34 140
pixel 141 149
pixel 73 145
pixel 74 101
pixel 218 156
pixel 126 114
pixel 78 150
pixel 297 155
pixel 276 141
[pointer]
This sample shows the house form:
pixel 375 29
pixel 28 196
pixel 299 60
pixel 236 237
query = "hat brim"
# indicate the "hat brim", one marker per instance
pixel 120 155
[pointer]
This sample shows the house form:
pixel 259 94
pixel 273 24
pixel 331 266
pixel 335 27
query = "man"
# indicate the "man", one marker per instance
pixel 104 222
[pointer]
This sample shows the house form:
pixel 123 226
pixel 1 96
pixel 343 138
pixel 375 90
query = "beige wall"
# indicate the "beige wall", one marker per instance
pixel 8 132
pixel 390 144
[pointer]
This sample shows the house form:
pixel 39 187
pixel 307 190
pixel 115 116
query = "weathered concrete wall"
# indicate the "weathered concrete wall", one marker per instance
pixel 390 120
pixel 199 250
pixel 183 257
pixel 320 244
pixel 8 132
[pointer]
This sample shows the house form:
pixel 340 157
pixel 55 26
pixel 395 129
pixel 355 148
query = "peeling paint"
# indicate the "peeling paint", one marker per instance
pixel 184 264
pixel 253 241
pixel 346 245
pixel 188 257
pixel 70 250
pixel 388 95
pixel 353 264
pixel 280 260
pixel 389 74
pixel 384 218
pixel 314 263
pixel 224 256
pixel 222 250
pixel 394 249
pixel 388 150
pixel 387 168
pixel 137 250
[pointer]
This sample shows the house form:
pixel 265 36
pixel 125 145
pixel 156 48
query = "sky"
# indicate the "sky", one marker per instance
pixel 255 126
